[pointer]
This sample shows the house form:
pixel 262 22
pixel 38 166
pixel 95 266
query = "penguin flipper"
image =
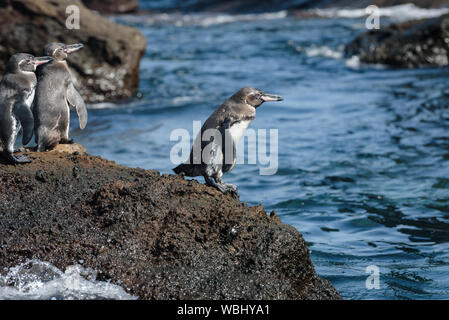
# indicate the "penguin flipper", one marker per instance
pixel 75 100
pixel 25 116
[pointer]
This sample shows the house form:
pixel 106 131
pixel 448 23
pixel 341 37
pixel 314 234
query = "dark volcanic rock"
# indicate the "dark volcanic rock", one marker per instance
pixel 106 69
pixel 112 6
pixel 410 44
pixel 160 237
pixel 382 3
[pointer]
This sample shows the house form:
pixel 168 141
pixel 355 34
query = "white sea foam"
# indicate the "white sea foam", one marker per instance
pixel 38 280
pixel 352 62
pixel 324 51
pixel 319 51
pixel 199 19
pixel 102 105
pixel 402 12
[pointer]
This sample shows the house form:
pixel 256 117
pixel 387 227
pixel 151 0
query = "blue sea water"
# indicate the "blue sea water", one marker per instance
pixel 363 150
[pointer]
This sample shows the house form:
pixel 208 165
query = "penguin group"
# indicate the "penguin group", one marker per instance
pixel 36 94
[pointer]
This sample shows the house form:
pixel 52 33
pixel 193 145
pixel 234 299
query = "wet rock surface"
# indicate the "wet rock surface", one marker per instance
pixel 106 69
pixel 406 45
pixel 157 236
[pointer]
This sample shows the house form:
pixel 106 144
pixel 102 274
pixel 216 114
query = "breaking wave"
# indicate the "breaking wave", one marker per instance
pixel 402 12
pixel 197 19
pixel 36 279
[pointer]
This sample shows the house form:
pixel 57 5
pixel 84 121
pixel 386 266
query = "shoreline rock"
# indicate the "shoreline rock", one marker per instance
pixel 382 3
pixel 157 236
pixel 106 69
pixel 411 44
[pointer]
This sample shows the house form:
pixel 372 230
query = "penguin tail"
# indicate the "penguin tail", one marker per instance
pixel 184 169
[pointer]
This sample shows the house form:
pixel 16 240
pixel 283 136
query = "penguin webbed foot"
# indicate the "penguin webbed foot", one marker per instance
pixel 221 186
pixel 231 187
pixel 11 159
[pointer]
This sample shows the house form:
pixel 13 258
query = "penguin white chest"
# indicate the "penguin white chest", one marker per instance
pixel 30 98
pixel 238 129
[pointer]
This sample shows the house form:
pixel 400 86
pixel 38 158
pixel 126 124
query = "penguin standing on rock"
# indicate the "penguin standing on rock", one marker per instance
pixel 17 90
pixel 214 149
pixel 55 92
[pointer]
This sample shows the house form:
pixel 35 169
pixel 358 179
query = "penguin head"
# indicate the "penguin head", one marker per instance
pixel 255 97
pixel 60 51
pixel 24 62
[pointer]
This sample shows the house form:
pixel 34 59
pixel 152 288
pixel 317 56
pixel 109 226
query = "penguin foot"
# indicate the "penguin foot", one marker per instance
pixel 20 159
pixel 221 186
pixel 228 186
pixel 231 187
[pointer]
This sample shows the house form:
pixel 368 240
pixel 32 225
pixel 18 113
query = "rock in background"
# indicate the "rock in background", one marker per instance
pixel 383 3
pixel 407 45
pixel 106 69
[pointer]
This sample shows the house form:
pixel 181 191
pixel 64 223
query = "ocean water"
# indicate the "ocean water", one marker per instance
pixel 363 150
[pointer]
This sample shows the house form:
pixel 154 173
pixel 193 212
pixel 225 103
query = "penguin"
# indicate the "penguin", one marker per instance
pixel 55 92
pixel 17 89
pixel 214 149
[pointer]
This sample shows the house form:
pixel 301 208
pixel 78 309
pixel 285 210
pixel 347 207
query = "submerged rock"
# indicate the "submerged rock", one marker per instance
pixel 106 69
pixel 409 44
pixel 159 237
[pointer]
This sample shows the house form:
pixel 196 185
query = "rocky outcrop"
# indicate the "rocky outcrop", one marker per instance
pixel 157 236
pixel 381 3
pixel 112 6
pixel 409 44
pixel 107 69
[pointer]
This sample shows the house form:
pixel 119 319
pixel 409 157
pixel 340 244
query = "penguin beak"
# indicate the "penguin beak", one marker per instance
pixel 271 97
pixel 41 60
pixel 73 47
